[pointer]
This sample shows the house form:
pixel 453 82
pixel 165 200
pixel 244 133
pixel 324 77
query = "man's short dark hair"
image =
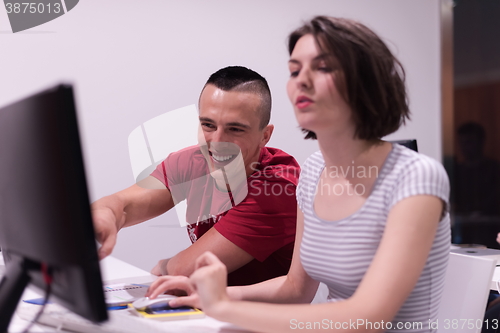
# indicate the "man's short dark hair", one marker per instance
pixel 371 80
pixel 242 79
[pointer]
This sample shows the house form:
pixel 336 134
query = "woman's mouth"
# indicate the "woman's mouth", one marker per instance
pixel 303 102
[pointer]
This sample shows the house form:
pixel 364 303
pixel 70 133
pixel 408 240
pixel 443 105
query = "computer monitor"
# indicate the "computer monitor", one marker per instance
pixel 45 213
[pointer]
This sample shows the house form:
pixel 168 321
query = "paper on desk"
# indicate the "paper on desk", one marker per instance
pixel 124 293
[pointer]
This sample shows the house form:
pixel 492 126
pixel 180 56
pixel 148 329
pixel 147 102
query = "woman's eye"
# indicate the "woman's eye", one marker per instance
pixel 324 69
pixel 294 73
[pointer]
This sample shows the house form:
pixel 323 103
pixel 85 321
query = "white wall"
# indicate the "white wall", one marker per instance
pixel 133 60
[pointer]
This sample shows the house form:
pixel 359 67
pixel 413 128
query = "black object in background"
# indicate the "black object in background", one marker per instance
pixel 412 144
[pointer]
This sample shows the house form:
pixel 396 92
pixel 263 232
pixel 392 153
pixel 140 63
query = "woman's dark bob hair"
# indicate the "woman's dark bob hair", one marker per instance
pixel 371 78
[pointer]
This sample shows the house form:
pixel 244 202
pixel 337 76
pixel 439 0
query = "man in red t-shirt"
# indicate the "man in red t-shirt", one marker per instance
pixel 245 215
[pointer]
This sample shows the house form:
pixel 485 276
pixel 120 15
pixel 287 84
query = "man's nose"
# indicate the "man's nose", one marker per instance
pixel 218 135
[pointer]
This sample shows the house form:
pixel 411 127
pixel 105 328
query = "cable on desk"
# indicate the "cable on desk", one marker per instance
pixel 47 277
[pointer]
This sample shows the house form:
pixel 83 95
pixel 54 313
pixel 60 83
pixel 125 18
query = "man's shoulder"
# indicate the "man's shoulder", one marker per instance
pixel 187 153
pixel 184 165
pixel 189 158
pixel 275 156
pixel 276 164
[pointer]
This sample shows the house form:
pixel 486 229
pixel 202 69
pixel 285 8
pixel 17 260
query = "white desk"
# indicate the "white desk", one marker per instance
pixel 115 271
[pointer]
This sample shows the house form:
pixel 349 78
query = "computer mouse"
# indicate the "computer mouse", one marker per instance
pixel 145 302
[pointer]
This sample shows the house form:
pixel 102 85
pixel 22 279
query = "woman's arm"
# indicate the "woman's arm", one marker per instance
pixel 296 287
pixel 397 265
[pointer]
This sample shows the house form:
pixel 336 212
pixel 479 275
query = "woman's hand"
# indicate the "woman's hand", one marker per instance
pixel 210 282
pixel 175 285
pixel 205 288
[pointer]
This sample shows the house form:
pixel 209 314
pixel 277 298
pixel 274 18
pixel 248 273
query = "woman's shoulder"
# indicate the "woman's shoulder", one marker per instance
pixel 314 161
pixel 413 173
pixel 309 174
pixel 312 167
pixel 407 161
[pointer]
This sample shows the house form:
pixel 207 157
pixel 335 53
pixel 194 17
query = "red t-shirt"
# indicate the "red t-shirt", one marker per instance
pixel 262 223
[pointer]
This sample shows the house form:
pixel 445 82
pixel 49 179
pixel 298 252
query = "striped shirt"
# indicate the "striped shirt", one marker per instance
pixel 338 253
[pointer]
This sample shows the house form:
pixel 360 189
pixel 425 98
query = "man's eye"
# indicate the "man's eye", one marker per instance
pixel 235 129
pixel 294 73
pixel 208 125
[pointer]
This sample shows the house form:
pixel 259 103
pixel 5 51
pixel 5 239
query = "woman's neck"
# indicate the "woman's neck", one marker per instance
pixel 343 150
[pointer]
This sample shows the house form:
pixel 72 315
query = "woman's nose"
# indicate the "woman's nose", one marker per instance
pixel 304 78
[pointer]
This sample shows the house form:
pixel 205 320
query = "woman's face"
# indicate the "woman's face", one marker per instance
pixel 318 104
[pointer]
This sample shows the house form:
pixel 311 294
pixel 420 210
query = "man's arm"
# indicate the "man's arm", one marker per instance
pixel 230 254
pixel 296 287
pixel 138 203
pixel 246 232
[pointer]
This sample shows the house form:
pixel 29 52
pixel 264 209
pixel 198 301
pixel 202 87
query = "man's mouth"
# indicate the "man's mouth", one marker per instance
pixel 221 157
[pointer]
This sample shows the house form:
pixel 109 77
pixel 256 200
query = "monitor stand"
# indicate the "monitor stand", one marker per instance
pixel 12 285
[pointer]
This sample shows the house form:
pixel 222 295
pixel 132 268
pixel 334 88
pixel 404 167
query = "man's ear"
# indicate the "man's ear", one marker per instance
pixel 266 135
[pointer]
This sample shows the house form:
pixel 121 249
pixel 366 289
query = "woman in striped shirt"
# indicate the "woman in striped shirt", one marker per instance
pixel 373 220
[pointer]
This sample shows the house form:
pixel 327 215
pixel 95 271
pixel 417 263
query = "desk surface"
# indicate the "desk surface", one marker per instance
pixel 115 271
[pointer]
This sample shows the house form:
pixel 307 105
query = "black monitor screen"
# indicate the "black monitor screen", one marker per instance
pixel 44 206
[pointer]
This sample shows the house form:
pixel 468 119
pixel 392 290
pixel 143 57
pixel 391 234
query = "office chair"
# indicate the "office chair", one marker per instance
pixel 466 288
pixel 412 143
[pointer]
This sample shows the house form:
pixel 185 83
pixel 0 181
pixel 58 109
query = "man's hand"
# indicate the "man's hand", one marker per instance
pixel 135 204
pixel 106 229
pixel 160 268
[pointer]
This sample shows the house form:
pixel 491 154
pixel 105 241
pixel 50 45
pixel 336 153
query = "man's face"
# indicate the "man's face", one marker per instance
pixel 230 123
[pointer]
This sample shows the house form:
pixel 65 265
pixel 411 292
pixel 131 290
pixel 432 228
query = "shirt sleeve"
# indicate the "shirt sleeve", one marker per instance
pixel 307 181
pixel 177 171
pixel 160 172
pixel 265 221
pixel 422 176
pixel 302 186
